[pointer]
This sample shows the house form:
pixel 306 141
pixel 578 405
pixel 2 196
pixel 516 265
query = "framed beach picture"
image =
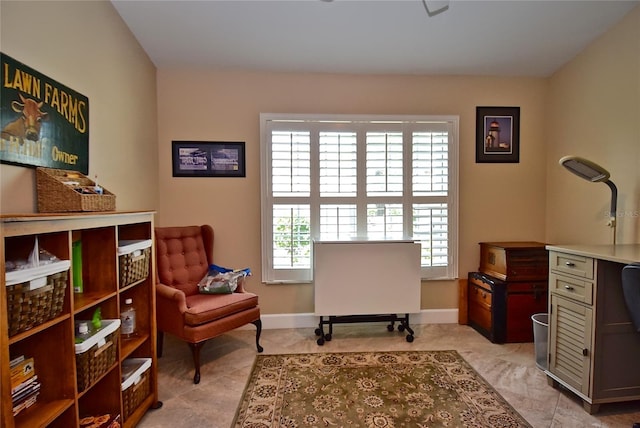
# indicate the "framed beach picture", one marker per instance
pixel 497 134
pixel 208 159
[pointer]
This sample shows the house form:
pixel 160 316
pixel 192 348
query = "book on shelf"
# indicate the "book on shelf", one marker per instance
pixel 22 371
pixel 25 393
pixel 23 385
pixel 15 361
pixel 25 404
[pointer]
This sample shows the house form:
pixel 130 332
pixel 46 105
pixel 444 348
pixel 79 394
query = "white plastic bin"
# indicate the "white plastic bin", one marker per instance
pixel 540 331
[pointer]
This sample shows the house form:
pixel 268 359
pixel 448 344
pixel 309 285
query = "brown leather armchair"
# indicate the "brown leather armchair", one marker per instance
pixel 183 257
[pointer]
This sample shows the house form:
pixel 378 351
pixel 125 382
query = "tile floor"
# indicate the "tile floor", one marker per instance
pixel 227 362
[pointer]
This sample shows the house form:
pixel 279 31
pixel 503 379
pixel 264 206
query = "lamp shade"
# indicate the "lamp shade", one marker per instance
pixel 585 169
pixel 594 173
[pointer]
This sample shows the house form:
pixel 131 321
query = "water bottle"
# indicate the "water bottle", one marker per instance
pixel 128 319
pixel 82 331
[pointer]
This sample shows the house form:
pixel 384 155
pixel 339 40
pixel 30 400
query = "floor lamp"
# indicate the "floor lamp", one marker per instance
pixel 594 173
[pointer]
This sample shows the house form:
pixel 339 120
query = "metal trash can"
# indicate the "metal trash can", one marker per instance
pixel 540 331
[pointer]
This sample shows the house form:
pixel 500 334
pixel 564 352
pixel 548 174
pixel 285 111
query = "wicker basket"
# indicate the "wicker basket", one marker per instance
pixel 28 307
pixel 96 355
pixel 136 385
pixel 59 190
pixel 133 257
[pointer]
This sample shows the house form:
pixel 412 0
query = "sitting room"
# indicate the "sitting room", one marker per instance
pixel 279 128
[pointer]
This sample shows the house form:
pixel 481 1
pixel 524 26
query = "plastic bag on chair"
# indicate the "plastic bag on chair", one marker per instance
pixel 221 280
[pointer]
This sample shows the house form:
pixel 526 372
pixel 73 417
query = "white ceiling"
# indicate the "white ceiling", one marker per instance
pixel 501 38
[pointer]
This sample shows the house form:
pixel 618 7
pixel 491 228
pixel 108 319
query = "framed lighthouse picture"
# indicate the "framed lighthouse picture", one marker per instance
pixel 497 134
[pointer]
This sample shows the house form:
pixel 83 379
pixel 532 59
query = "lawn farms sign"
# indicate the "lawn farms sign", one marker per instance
pixel 43 122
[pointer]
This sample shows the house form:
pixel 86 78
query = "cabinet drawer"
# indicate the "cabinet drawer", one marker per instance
pixel 480 302
pixel 480 296
pixel 573 288
pixel 480 316
pixel 571 264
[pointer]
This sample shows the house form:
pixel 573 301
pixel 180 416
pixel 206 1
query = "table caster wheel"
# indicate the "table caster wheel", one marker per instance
pixel 318 332
pixel 390 327
pixel 320 341
pixel 401 328
pixel 327 337
pixel 409 338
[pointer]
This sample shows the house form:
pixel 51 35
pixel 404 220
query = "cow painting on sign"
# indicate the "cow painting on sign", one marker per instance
pixel 43 123
pixel 27 126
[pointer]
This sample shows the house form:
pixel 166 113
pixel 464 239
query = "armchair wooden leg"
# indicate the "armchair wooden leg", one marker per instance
pixel 195 351
pixel 160 342
pixel 258 324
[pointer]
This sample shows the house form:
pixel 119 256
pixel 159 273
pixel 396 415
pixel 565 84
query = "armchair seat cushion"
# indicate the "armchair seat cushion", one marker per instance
pixel 205 308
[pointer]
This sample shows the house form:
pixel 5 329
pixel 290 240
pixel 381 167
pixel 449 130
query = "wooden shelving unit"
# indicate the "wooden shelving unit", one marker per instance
pixel 51 343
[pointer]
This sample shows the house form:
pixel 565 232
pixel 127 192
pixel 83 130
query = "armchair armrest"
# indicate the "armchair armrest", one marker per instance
pixel 172 296
pixel 171 305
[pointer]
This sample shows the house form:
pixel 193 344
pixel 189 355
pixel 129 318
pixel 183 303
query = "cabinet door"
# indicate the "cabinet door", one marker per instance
pixel 570 342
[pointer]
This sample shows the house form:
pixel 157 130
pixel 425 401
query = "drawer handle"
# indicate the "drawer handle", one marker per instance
pixel 570 264
pixel 484 295
pixel 568 287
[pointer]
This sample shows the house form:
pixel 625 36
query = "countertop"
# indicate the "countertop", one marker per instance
pixel 621 253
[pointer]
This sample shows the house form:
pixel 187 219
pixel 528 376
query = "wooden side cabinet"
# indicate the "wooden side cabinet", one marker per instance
pixel 500 310
pixel 509 287
pixel 593 348
pixel 51 343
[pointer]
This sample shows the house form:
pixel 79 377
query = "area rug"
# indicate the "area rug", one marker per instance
pixel 413 389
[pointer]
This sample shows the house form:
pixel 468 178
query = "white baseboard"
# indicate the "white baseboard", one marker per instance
pixel 309 320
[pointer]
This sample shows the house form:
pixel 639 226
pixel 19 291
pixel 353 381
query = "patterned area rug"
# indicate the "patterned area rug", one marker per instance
pixel 372 390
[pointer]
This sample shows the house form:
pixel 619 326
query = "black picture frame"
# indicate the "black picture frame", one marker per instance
pixel 208 159
pixel 497 134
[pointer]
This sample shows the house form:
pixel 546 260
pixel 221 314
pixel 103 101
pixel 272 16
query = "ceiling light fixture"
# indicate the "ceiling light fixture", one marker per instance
pixel 435 7
pixel 594 173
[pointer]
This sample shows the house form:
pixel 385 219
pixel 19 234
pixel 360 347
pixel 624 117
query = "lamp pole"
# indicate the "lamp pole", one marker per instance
pixel 612 211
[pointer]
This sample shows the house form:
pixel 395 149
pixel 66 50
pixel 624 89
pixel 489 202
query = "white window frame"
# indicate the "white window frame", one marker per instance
pixel 305 275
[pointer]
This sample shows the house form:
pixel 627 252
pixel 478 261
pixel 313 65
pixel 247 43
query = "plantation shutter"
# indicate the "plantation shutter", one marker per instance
pixel 340 178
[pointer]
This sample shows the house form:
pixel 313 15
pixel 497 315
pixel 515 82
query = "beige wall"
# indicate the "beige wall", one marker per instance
pixel 594 112
pixel 86 46
pixel 590 108
pixel 497 201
